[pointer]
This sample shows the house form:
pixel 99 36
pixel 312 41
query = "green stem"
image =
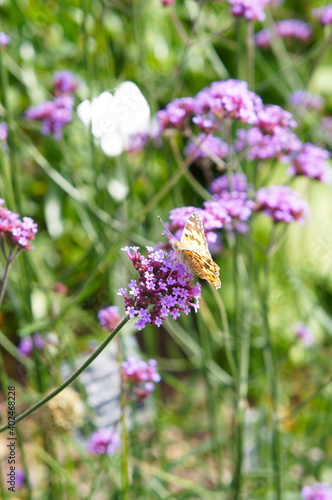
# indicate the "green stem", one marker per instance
pixel 250 44
pixel 72 378
pixel 270 363
pixel 125 439
pixel 4 280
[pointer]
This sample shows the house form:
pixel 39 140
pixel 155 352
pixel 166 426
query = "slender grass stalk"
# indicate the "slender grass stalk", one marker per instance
pixel 72 377
pixel 4 281
pixel 250 44
pixel 270 364
pixel 125 438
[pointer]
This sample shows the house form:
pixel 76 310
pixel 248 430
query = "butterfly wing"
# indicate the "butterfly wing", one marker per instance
pixel 194 252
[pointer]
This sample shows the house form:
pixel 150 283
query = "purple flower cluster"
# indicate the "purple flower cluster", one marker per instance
pixel 16 231
pixel 175 115
pixel 326 123
pixel 141 376
pixel 282 204
pixel 109 318
pixel 208 144
pixel 54 115
pixel 4 39
pixel 238 183
pixel 311 161
pixel 3 132
pixel 288 28
pixel 318 491
pixel 306 100
pixel 64 82
pixel 271 137
pixel 323 14
pixel 304 334
pixel 162 289
pixel 249 9
pixel 26 344
pixel 104 441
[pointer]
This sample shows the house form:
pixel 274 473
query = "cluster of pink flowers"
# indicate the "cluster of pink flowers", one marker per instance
pixel 311 161
pixel 282 204
pixel 104 441
pixel 3 132
pixel 141 376
pixel 304 334
pixel 4 39
pixel 323 14
pixel 306 100
pixel 318 491
pixel 162 289
pixel 16 231
pixel 249 9
pixel 57 113
pixel 109 318
pixel 288 28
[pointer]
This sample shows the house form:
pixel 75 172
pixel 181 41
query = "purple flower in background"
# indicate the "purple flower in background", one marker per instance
pixel 304 334
pixel 326 123
pixel 20 478
pixel 249 9
pixel 141 376
pixel 307 100
pixel 54 115
pixel 235 204
pixel 104 440
pixel 238 183
pixel 65 82
pixel 175 115
pixel 311 161
pixel 162 289
pixel 262 146
pixel 26 345
pixel 4 39
pixel 288 28
pixel 318 491
pixel 323 14
pixel 15 231
pixel 282 204
pixel 109 318
pixel 166 3
pixel 208 144
pixel 272 116
pixel 3 132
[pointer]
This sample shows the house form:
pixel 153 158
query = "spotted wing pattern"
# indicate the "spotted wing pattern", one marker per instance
pixel 193 252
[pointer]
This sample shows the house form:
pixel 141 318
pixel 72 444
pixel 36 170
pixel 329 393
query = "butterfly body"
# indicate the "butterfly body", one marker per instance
pixel 192 251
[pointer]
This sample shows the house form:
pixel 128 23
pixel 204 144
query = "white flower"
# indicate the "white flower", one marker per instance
pixel 115 118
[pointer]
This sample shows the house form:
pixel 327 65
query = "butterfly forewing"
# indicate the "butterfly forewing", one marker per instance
pixel 193 251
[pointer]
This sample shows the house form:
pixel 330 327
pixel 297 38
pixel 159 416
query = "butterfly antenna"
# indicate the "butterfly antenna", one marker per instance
pixel 163 234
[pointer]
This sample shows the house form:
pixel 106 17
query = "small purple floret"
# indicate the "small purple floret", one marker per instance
pixel 104 441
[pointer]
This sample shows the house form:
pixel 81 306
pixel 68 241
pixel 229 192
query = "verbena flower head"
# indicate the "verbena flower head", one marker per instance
pixel 26 345
pixel 104 441
pixel 141 376
pixel 272 116
pixel 235 204
pixel 228 99
pixel 209 144
pixel 65 82
pixel 54 115
pixel 311 161
pixel 307 100
pixel 323 14
pixel 238 183
pixel 3 132
pixel 249 9
pixel 282 204
pixel 318 491
pixel 109 318
pixel 286 29
pixel 4 39
pixel 304 333
pixel 162 289
pixel 262 146
pixel 15 231
pixel 175 115
pixel 20 478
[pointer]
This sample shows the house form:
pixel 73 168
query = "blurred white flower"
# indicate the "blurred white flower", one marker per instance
pixel 115 118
